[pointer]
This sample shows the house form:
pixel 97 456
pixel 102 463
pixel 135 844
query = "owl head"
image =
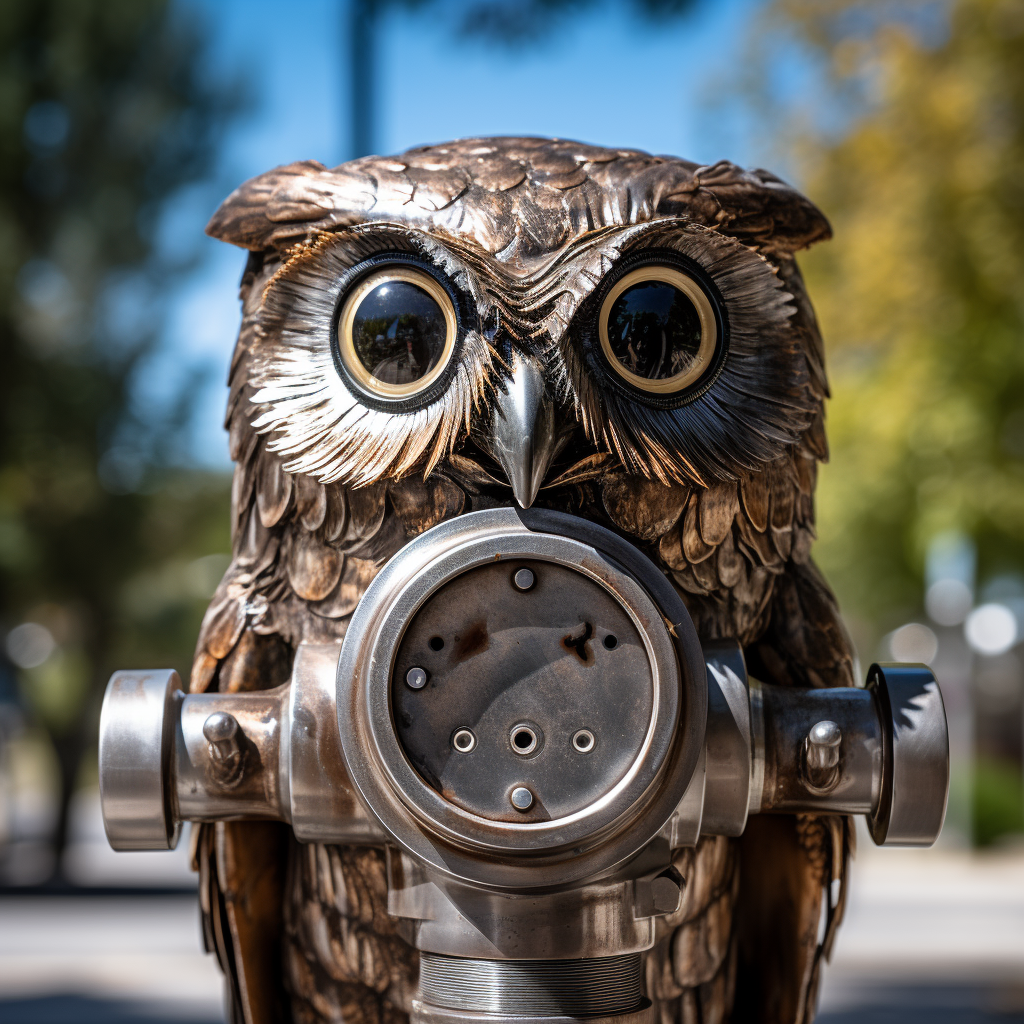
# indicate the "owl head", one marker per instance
pixel 525 312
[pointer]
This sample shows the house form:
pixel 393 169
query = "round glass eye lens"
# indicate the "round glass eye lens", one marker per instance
pixel 398 332
pixel 654 330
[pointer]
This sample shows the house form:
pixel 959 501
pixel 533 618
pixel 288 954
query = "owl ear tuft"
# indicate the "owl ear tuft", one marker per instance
pixel 275 208
pixel 755 207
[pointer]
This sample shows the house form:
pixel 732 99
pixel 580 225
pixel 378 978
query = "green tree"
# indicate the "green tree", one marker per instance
pixel 105 114
pixel 921 299
pixel 921 294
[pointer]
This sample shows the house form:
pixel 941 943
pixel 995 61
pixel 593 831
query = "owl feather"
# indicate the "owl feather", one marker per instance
pixel 718 492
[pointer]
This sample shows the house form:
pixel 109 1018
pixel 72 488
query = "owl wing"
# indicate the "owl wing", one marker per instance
pixel 302 555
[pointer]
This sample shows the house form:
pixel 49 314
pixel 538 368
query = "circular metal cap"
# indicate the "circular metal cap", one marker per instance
pixel 527 671
pixel 522 798
pixel 137 725
pixel 915 763
pixel 449 603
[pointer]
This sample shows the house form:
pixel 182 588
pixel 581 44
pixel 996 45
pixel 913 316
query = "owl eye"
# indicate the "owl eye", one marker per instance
pixel 658 329
pixel 396 332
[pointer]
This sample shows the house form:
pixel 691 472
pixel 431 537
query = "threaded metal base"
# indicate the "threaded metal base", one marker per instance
pixel 600 987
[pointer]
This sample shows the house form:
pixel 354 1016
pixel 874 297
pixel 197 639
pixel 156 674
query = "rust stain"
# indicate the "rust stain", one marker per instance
pixel 576 642
pixel 473 640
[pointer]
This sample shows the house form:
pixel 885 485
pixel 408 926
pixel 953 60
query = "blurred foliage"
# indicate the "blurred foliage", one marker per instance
pixel 998 803
pixel 915 151
pixel 105 114
pixel 921 294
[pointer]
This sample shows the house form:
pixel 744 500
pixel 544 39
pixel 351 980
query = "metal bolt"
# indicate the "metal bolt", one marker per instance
pixel 522 798
pixel 464 740
pixel 665 894
pixel 416 678
pixel 657 896
pixel 224 736
pixel 220 726
pixel 524 579
pixel 823 741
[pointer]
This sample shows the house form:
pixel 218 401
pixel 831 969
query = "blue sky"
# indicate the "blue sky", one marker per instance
pixel 607 77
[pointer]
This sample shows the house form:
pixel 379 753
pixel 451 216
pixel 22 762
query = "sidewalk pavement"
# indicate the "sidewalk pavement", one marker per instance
pixel 934 936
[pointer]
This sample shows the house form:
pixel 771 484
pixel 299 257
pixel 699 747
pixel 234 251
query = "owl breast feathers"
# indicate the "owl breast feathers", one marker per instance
pixel 612 334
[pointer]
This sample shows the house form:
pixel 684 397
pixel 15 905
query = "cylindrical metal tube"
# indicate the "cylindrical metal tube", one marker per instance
pixel 790 713
pixel 167 757
pixel 202 792
pixel 530 989
pixel 882 751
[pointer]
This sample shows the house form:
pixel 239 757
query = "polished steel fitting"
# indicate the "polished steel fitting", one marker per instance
pixel 522 715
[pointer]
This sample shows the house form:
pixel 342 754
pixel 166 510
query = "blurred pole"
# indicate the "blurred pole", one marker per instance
pixel 361 37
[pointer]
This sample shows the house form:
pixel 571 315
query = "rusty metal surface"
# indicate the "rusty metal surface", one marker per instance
pixel 201 792
pixel 524 671
pixel 789 714
pixel 517 855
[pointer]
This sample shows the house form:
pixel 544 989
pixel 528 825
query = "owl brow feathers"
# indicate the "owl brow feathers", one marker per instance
pixel 314 421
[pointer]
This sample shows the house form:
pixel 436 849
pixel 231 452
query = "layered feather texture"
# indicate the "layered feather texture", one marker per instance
pixel 719 494
pixel 757 406
pixel 314 419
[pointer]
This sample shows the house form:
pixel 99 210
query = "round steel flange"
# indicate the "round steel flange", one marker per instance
pixel 523 671
pixel 915 756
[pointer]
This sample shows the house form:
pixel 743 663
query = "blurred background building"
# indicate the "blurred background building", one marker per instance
pixel 124 122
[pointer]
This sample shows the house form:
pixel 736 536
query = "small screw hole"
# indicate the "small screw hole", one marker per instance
pixel 611 641
pixel 524 739
pixel 464 741
pixel 583 741
pixel 435 643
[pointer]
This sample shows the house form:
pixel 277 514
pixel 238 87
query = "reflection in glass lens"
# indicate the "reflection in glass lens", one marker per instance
pixel 654 330
pixel 399 332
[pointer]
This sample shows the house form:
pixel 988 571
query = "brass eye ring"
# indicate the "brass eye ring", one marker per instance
pixel 346 343
pixel 708 327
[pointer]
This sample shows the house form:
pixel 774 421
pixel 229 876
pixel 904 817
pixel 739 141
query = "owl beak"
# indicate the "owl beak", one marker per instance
pixel 524 432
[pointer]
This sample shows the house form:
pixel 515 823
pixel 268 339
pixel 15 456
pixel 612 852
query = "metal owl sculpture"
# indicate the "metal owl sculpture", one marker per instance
pixel 521 643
